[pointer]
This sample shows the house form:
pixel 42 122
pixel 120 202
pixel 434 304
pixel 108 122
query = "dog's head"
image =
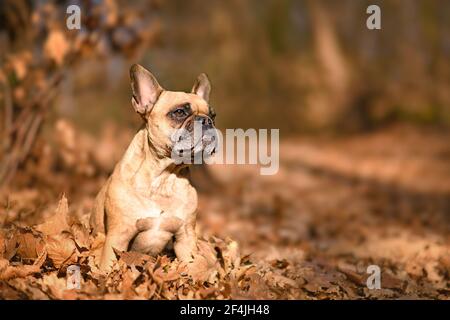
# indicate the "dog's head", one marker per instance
pixel 178 123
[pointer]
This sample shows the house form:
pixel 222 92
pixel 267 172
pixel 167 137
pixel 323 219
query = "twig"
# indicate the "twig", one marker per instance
pixel 8 115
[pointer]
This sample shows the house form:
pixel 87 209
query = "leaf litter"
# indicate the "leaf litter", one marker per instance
pixel 309 232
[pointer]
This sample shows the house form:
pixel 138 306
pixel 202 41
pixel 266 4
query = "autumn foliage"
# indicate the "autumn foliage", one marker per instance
pixel 364 173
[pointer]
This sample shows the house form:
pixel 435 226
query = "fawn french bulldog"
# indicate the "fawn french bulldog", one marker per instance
pixel 148 200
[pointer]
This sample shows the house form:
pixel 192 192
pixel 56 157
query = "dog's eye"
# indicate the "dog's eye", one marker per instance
pixel 180 112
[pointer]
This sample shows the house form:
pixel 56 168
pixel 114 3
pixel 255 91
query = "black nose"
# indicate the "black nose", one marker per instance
pixel 205 121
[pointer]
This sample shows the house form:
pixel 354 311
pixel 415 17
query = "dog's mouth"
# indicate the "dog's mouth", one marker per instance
pixel 194 142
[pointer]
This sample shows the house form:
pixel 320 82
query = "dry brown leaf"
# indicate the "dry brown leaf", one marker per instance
pixel 207 292
pixel 61 249
pixel 353 276
pixel 97 241
pixel 391 282
pixel 3 243
pixel 127 286
pixel 81 235
pixel 53 286
pixel 11 249
pixel 8 246
pixel 151 290
pixel 21 271
pixel 164 274
pixel 8 292
pixel 57 223
pixel 204 266
pixel 185 293
pixel 316 282
pixel 280 280
pixel 30 245
pixel 134 258
pixel 230 253
pixel 97 246
pixel 257 288
pixel 8 271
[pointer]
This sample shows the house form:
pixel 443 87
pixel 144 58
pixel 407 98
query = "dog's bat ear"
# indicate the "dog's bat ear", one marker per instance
pixel 145 87
pixel 202 87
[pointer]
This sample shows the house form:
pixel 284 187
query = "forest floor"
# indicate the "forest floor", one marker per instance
pixel 336 206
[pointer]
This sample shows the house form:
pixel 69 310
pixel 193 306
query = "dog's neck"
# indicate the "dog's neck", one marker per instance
pixel 141 163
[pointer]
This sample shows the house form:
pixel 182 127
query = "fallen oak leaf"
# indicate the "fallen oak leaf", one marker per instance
pixel 185 293
pixel 207 292
pixel 203 267
pixel 57 223
pixel 41 259
pixel 8 272
pixel 8 246
pixel 7 292
pixel 244 271
pixel 61 249
pixel 146 289
pixel 353 276
pixel 29 245
pixel 97 243
pixel 164 274
pixel 256 288
pixel 390 282
pixel 316 282
pixel 3 243
pixel 127 285
pixel 152 287
pixel 53 286
pixel 279 264
pixel 280 280
pixel 133 258
pixel 80 235
pixel 230 254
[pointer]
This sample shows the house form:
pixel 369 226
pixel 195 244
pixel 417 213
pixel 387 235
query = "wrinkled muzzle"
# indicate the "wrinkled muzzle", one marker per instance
pixel 195 141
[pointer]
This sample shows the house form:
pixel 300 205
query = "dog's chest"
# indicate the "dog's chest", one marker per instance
pixel 174 195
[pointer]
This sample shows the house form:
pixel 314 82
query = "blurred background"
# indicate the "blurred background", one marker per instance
pixel 364 118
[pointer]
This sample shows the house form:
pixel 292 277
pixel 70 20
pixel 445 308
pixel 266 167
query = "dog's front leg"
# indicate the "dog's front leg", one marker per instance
pixel 186 242
pixel 114 239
